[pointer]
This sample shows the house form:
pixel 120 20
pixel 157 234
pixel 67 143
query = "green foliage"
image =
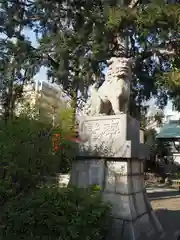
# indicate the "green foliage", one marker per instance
pixel 177 175
pixel 150 137
pixel 18 60
pixel 163 148
pixel 77 37
pixel 157 147
pixel 84 48
pixel 76 49
pixel 67 146
pixel 66 120
pixel 27 111
pixel 27 156
pixel 52 213
pixel 66 153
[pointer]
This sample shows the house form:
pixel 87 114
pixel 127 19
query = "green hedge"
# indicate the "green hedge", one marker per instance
pixel 57 214
pixel 27 156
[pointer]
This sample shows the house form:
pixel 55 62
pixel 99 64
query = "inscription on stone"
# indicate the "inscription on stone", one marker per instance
pixel 106 137
pixel 99 131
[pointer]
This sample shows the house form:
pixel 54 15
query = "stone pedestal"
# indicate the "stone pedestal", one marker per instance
pixel 113 157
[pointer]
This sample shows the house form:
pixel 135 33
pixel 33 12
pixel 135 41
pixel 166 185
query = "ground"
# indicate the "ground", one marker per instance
pixel 166 204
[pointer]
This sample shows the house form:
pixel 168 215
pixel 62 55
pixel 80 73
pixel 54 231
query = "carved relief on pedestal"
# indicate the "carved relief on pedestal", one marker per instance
pixel 103 135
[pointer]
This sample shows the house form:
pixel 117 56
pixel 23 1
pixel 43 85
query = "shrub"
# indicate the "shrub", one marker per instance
pixel 66 152
pixel 56 214
pixel 27 157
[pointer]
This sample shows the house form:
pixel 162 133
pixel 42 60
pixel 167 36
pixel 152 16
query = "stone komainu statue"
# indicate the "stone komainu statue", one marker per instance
pixel 112 97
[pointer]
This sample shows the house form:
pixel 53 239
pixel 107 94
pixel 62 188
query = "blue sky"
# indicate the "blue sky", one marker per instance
pixel 41 76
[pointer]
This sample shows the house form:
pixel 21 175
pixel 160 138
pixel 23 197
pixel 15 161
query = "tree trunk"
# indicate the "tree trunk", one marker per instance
pixel 74 100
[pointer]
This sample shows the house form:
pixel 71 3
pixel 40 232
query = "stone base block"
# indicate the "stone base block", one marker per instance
pixel 111 155
pixel 110 136
pixel 122 185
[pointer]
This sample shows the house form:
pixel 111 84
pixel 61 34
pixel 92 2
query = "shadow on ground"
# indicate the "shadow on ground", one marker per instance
pixel 163 195
pixel 166 204
pixel 170 221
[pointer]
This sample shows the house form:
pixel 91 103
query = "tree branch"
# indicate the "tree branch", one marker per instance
pixel 133 3
pixel 162 51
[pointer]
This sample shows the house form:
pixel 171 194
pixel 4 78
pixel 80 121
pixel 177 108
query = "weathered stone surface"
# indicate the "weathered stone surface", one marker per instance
pixel 112 96
pixel 118 167
pixel 144 151
pixel 147 202
pixel 155 222
pixel 119 179
pixel 142 165
pixel 116 229
pixel 136 166
pixel 122 186
pixel 96 172
pixel 140 203
pixel 110 181
pixel 141 134
pixel 110 157
pixel 83 181
pixel 110 136
pixel 143 226
pixel 87 172
pixel 122 206
pixel 138 183
pixel 129 231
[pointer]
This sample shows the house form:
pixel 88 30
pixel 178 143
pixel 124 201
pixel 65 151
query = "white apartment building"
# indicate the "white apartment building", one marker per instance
pixel 44 97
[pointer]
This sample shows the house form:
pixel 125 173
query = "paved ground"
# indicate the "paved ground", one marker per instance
pixel 166 204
